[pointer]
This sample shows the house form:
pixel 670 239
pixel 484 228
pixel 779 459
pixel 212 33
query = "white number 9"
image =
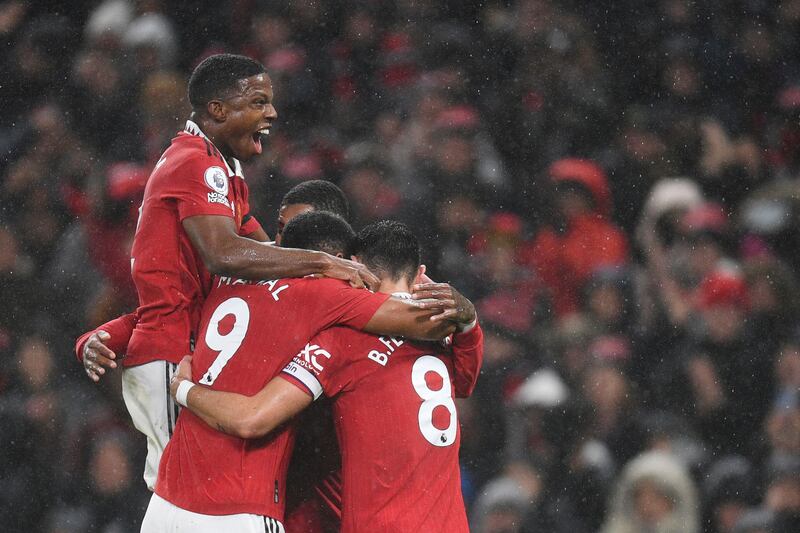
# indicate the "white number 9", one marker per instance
pixel 226 345
pixel 433 399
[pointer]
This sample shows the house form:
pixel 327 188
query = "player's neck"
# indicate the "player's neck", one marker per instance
pixel 210 131
pixel 390 286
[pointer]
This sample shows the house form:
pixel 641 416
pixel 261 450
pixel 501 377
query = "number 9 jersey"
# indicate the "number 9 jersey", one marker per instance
pixel 248 333
pixel 396 421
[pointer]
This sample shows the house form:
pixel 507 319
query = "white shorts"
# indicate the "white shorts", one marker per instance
pixel 145 389
pixel 164 517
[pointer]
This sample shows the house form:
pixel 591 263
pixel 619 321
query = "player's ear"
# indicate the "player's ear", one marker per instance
pixel 216 110
pixel 340 255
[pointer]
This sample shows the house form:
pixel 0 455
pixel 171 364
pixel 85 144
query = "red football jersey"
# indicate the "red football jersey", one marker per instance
pixel 248 332
pixel 397 426
pixel 190 179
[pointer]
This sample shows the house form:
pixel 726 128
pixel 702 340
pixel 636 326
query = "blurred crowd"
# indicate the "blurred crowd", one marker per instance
pixel 615 184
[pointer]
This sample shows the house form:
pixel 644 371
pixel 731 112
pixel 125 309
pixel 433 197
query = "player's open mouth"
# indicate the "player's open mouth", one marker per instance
pixel 257 138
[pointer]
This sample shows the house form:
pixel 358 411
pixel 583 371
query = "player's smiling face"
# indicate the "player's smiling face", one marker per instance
pixel 248 115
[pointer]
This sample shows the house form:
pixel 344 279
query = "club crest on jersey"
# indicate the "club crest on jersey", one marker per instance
pixel 217 179
pixel 308 356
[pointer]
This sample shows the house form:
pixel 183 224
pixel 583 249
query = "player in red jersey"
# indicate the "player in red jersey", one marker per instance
pixel 101 345
pixel 248 328
pixel 393 403
pixel 195 222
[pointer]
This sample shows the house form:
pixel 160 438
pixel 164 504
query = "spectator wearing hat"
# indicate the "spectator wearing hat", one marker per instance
pixel 717 374
pixel 565 255
pixel 683 240
pixel 654 493
pixel 659 235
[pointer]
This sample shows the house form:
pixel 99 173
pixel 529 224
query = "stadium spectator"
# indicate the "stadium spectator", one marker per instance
pixel 581 237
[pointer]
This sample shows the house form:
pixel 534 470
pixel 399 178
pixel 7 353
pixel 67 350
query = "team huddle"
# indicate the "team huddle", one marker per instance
pixel 272 327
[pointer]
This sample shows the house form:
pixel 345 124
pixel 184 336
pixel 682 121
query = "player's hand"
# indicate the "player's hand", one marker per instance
pixel 355 273
pixel 97 356
pixel 453 305
pixel 184 373
pixel 423 278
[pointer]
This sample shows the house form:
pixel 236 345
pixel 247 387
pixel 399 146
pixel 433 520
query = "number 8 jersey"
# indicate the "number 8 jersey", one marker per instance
pixel 396 421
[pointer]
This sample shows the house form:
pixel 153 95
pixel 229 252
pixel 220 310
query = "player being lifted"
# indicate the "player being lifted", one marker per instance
pixel 194 222
pixel 393 402
pixel 210 481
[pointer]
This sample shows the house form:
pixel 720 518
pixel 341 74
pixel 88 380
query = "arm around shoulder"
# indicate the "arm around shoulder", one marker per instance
pixel 246 417
pixel 226 253
pixel 401 317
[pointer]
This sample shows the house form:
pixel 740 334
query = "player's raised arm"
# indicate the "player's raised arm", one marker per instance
pixel 242 416
pixel 226 253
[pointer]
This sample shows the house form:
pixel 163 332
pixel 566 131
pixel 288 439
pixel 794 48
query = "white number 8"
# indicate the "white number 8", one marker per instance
pixel 433 399
pixel 226 345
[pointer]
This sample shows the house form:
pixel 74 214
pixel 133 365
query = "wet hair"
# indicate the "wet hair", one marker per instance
pixel 389 249
pixel 318 230
pixel 219 74
pixel 322 195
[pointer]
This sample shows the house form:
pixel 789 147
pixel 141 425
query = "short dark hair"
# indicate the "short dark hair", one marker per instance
pixel 219 74
pixel 322 195
pixel 389 249
pixel 318 230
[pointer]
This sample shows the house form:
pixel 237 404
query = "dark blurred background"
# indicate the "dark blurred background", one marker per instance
pixel 614 183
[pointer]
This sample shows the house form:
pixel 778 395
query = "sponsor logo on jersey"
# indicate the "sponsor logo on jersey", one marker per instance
pixel 217 179
pixel 308 357
pixel 217 198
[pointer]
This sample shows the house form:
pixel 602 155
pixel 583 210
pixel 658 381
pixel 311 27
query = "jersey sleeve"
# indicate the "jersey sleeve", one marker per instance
pixel 200 186
pixel 335 302
pixel 249 225
pixel 467 360
pixel 322 367
pixel 249 222
pixel 120 329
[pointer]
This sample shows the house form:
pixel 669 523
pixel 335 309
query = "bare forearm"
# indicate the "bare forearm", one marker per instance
pixel 224 411
pixel 226 253
pixel 247 259
pixel 247 417
pixel 402 318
